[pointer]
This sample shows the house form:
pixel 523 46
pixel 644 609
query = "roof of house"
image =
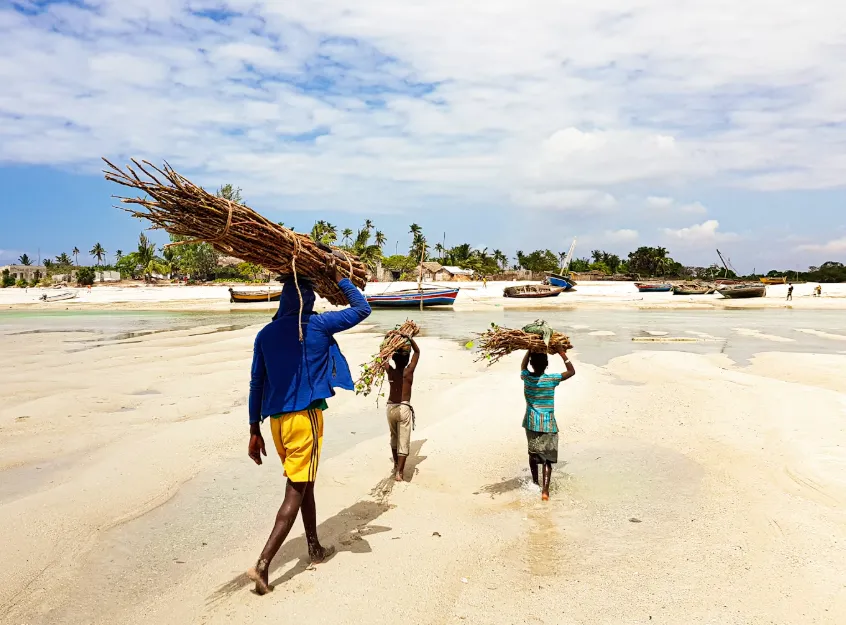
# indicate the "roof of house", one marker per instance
pixel 432 266
pixel 458 271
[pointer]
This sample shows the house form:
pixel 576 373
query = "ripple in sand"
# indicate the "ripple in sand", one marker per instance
pixel 757 334
pixel 825 335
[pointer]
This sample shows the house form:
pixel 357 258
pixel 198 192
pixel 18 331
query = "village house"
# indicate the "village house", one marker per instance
pixel 25 272
pixel 435 272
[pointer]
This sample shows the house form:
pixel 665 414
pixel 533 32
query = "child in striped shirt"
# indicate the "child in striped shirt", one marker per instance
pixel 539 418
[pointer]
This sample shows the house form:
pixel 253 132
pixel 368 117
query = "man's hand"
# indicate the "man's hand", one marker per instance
pixel 256 447
pixel 334 272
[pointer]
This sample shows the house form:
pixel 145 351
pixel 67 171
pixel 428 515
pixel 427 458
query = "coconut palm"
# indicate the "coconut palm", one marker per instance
pixel 23 259
pixel 500 258
pixel 380 239
pixel 48 263
pixel 347 236
pixel 368 225
pixel 63 259
pixel 118 255
pixel 440 250
pixel 98 252
pixel 75 253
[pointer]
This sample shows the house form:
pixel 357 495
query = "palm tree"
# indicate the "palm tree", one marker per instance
pixel 63 259
pixel 440 250
pixel 380 239
pixel 347 236
pixel 500 258
pixel 118 255
pixel 98 252
pixel 48 263
pixel 75 252
pixel 414 230
pixel 368 225
pixel 23 259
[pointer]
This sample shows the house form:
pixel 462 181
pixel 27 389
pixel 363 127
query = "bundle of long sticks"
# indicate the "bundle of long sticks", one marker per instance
pixel 498 342
pixel 175 204
pixel 373 372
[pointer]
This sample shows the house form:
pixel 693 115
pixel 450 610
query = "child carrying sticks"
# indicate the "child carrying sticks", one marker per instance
pixel 400 412
pixel 539 418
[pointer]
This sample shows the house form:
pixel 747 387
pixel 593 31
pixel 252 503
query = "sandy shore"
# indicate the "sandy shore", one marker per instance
pixel 472 296
pixel 692 490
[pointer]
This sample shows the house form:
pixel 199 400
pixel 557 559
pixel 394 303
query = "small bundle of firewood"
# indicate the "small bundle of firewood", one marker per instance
pixel 373 372
pixel 498 342
pixel 175 204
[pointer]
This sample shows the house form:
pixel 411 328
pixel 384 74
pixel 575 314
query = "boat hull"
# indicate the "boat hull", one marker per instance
pixel 61 297
pixel 654 288
pixel 247 297
pixel 560 281
pixel 773 280
pixel 743 293
pixel 518 292
pixel 413 299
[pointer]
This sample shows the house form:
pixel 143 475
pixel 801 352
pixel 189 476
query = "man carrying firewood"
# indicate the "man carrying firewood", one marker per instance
pixel 400 412
pixel 296 366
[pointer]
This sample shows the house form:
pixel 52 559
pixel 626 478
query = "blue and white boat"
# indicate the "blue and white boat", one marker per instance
pixel 560 281
pixel 413 298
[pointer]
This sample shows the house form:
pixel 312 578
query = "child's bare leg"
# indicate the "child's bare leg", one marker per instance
pixel 400 468
pixel 547 478
pixel 533 467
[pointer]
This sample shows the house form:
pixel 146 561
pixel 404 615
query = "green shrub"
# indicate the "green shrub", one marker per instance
pixel 33 282
pixel 7 280
pixel 85 276
pixel 21 283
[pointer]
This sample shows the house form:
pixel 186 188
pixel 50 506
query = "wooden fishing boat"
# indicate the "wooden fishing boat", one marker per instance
pixel 693 289
pixel 59 297
pixel 412 298
pixel 654 287
pixel 782 280
pixel 533 291
pixel 557 280
pixel 245 297
pixel 743 291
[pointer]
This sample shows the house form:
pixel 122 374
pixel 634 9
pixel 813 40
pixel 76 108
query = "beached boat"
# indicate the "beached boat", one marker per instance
pixel 245 297
pixel 782 280
pixel 693 289
pixel 58 297
pixel 654 287
pixel 412 298
pixel 533 291
pixel 557 280
pixel 743 291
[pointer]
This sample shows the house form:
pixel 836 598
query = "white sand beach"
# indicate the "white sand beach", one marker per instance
pixel 692 489
pixel 472 296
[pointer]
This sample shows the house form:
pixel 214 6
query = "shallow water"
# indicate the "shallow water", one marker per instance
pixel 597 335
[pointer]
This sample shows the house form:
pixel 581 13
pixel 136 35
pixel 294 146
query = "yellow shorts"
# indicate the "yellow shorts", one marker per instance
pixel 298 437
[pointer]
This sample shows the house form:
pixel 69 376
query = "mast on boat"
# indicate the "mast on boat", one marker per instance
pixel 568 259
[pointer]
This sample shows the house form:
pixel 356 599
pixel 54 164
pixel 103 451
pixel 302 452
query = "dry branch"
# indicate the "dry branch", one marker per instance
pixel 498 342
pixel 373 372
pixel 175 204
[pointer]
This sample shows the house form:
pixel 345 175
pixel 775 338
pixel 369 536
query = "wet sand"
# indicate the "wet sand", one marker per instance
pixel 693 488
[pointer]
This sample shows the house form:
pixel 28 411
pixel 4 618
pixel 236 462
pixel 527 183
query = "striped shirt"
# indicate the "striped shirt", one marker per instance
pixel 540 401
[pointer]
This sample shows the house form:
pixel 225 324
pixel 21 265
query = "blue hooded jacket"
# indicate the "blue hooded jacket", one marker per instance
pixel 287 375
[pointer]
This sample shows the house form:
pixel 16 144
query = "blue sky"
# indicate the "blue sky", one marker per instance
pixel 507 125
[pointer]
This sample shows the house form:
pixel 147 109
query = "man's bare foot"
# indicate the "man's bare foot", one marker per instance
pixel 545 496
pixel 398 477
pixel 320 554
pixel 258 574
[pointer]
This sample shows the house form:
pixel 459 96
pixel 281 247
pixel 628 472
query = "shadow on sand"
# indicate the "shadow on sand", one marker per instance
pixel 383 489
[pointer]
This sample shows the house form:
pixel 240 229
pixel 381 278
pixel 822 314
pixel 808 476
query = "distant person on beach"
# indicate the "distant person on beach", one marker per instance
pixel 818 291
pixel 790 293
pixel 292 376
pixel 400 411
pixel 485 282
pixel 539 419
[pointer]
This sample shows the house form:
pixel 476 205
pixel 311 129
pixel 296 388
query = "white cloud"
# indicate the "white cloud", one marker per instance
pixel 700 234
pixel 621 236
pixel 694 208
pixel 462 100
pixel 566 200
pixel 657 201
pixel 835 246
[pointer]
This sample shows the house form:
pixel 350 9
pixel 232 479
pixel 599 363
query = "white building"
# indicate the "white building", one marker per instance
pixel 25 272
